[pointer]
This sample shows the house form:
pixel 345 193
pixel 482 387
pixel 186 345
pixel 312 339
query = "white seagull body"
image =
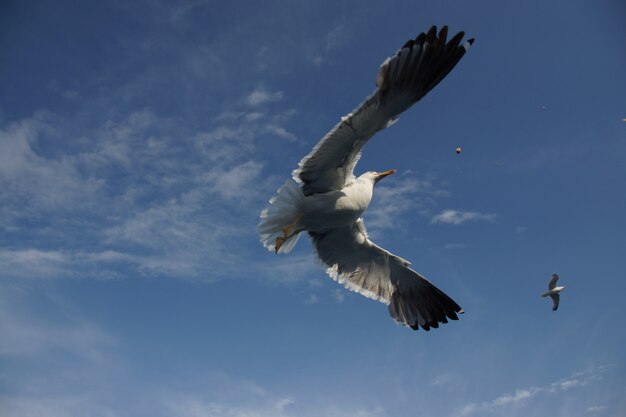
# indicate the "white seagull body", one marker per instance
pixel 553 291
pixel 326 200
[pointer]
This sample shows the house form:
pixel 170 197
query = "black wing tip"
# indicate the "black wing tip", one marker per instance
pixel 438 312
pixel 425 326
pixel 452 315
pixel 431 34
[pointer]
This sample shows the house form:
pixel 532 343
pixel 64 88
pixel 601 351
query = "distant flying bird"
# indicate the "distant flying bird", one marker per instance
pixel 458 150
pixel 553 291
pixel 326 200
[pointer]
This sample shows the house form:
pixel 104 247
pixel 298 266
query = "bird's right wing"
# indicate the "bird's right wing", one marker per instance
pixel 553 280
pixel 362 266
pixel 555 301
pixel 402 80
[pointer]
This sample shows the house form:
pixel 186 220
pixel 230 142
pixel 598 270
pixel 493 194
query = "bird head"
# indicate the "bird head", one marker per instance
pixel 380 175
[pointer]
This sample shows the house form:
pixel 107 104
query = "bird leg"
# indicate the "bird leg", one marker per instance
pixel 279 243
pixel 288 229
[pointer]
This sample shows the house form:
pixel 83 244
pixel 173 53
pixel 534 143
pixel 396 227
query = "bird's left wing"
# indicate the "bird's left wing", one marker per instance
pixel 402 80
pixel 553 280
pixel 362 266
pixel 555 301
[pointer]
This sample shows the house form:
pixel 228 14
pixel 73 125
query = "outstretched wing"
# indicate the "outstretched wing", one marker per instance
pixel 555 301
pixel 362 266
pixel 402 80
pixel 553 280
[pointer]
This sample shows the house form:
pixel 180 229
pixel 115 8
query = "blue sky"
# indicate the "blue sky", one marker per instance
pixel 140 140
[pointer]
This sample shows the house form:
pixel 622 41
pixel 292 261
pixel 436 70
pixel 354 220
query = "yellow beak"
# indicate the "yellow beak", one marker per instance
pixel 382 175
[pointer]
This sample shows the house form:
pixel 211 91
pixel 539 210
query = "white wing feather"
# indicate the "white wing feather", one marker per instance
pixel 402 80
pixel 362 266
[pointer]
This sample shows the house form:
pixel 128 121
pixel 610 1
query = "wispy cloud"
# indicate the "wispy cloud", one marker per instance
pixel 596 408
pixel 61 363
pixel 180 9
pixel 312 299
pixel 451 246
pixel 141 191
pixel 457 217
pixel 282 407
pixel 339 295
pixel 31 181
pixel 334 39
pixel 23 335
pixel 32 262
pixel 279 131
pixel 71 366
pixel 262 96
pixel 397 198
pixel 237 183
pixel 500 404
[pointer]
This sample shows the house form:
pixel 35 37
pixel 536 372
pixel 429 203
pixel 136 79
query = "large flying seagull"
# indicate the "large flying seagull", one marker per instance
pixel 326 200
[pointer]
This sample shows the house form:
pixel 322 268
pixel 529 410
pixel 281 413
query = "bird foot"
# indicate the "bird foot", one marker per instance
pixel 279 243
pixel 287 233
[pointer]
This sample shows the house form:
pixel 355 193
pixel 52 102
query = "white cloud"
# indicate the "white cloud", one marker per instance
pixel 312 299
pixel 62 363
pixel 34 182
pixel 339 295
pixel 24 336
pixel 445 379
pixel 451 246
pixel 183 237
pixel 237 183
pixel 519 395
pixel 334 39
pixel 179 10
pixel 284 407
pixel 400 196
pixel 141 191
pixel 457 217
pixel 500 404
pixel 54 406
pixel 596 408
pixel 88 378
pixel 32 262
pixel 280 132
pixel 283 403
pixel 262 96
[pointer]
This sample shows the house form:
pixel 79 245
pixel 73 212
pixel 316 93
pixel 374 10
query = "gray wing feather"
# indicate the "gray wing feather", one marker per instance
pixel 362 266
pixel 555 301
pixel 553 280
pixel 402 80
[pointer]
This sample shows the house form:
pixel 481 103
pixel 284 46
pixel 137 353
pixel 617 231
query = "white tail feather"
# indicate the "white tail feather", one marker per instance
pixel 283 211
